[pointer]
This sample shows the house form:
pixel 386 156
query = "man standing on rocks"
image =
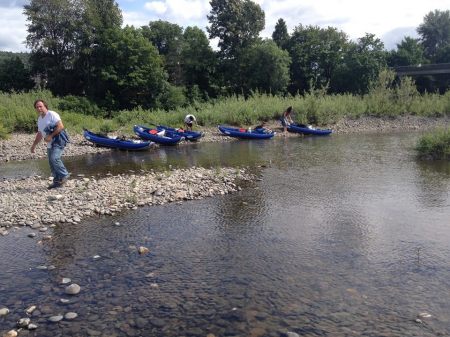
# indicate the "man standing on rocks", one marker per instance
pixel 51 129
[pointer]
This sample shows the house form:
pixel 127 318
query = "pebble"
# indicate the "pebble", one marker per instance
pixel 65 280
pixel 70 315
pixel 32 326
pixel 4 312
pixel 55 319
pixel 30 310
pixel 10 333
pixel 143 250
pixel 73 289
pixel 23 322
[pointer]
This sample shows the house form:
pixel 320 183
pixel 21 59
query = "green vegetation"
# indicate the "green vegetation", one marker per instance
pixel 81 49
pixel 315 107
pixel 435 145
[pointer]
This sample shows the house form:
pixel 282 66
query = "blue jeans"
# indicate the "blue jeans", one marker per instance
pixel 57 167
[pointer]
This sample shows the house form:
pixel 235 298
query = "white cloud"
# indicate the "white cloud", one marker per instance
pixel 387 19
pixel 13 29
pixel 158 7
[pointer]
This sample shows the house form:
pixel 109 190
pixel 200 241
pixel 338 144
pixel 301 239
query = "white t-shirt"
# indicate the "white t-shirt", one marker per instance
pixel 187 119
pixel 50 119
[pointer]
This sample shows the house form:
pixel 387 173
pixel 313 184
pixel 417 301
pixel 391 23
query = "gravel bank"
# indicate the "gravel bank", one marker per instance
pixel 27 202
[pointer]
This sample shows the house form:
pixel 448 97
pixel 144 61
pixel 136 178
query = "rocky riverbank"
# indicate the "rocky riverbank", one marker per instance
pixel 27 202
pixel 18 146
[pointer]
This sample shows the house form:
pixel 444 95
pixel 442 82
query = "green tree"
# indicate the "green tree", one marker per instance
pixel 280 35
pixel 236 23
pixel 199 61
pixel 361 65
pixel 14 76
pixel 168 39
pixel 315 53
pixel 99 16
pixel 409 52
pixel 266 68
pixel 435 32
pixel 53 37
pixel 132 73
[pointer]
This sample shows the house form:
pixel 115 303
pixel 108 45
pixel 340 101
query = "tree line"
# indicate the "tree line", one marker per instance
pixel 80 50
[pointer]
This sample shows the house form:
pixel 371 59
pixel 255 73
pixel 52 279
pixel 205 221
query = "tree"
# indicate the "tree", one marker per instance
pixel 361 65
pixel 315 53
pixel 99 16
pixel 409 52
pixel 168 39
pixel 435 32
pixel 14 76
pixel 236 23
pixel 266 68
pixel 198 60
pixel 53 37
pixel 280 35
pixel 132 73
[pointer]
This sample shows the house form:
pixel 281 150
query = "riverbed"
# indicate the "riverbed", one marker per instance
pixel 336 236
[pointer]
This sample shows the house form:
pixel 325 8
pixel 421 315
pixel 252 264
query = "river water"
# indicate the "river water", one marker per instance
pixel 345 235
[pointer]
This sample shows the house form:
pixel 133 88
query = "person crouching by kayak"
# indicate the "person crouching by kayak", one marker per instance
pixel 189 120
pixel 286 120
pixel 51 129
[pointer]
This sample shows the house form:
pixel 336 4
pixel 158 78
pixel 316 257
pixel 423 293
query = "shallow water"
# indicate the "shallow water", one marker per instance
pixel 343 236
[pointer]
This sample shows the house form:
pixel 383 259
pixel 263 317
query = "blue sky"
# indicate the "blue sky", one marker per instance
pixel 389 20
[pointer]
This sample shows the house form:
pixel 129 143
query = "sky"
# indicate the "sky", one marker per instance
pixel 389 20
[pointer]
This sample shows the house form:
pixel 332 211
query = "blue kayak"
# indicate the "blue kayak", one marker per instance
pixel 188 135
pixel 115 142
pixel 244 133
pixel 307 130
pixel 154 135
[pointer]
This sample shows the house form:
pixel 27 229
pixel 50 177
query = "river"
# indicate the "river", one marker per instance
pixel 346 235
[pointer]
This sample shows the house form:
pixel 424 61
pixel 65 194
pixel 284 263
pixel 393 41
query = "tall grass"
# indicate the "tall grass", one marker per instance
pixel 316 107
pixel 435 145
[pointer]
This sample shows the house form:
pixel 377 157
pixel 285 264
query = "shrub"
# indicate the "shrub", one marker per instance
pixel 80 105
pixel 435 145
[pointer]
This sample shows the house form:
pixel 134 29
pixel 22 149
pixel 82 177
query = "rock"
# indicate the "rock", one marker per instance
pixel 30 310
pixel 143 250
pixel 11 333
pixel 55 319
pixel 65 280
pixel 31 235
pixel 4 312
pixel 73 289
pixel 32 326
pixel 23 322
pixel 70 315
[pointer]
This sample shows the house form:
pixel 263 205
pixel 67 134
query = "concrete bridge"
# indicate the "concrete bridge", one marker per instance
pixel 423 69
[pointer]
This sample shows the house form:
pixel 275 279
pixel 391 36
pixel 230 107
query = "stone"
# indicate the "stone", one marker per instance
pixel 73 289
pixel 4 312
pixel 70 315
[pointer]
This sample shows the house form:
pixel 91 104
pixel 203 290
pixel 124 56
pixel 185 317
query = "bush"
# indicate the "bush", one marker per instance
pixel 435 145
pixel 4 134
pixel 80 105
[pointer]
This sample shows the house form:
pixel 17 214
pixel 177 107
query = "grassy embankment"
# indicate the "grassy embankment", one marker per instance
pixel 17 113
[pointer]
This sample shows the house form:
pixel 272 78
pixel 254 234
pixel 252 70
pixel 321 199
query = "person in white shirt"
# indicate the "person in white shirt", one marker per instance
pixel 189 120
pixel 51 129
